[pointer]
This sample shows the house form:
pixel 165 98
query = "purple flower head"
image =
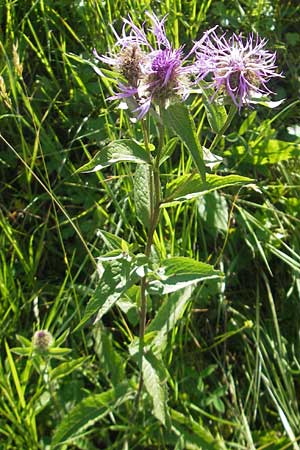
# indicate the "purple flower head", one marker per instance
pixel 153 71
pixel 42 340
pixel 240 68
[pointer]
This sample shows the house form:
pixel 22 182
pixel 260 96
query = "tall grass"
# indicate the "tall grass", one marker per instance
pixel 233 357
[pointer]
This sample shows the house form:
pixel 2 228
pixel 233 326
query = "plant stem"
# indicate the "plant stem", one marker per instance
pixel 154 218
pixel 219 135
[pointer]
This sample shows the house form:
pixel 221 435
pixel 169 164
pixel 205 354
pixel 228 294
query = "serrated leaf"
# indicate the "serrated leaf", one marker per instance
pixel 168 315
pixel 188 187
pixel 142 193
pixel 216 114
pixel 179 272
pixel 179 119
pixel 118 276
pixel 155 377
pixel 117 151
pixel 88 411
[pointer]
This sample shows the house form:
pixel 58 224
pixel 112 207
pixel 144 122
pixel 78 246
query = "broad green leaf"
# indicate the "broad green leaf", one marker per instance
pixel 188 187
pixel 216 114
pixel 118 276
pixel 167 316
pixel 116 151
pixel 112 241
pixel 88 411
pixel 194 435
pixel 213 210
pixel 266 152
pixel 179 119
pixel 142 193
pixel 179 272
pixel 155 377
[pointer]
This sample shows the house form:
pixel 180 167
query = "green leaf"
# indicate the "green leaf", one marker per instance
pixel 110 360
pixel 266 152
pixel 116 151
pixel 213 209
pixel 142 193
pixel 167 316
pixel 179 272
pixel 22 351
pixel 64 369
pixel 216 114
pixel 15 376
pixel 112 241
pixel 193 434
pixel 56 351
pixel 155 377
pixel 190 186
pixel 292 262
pixel 88 411
pixel 119 275
pixel 179 119
pixel 246 124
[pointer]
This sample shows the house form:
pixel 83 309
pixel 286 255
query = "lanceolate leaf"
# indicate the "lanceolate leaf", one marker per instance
pixel 179 119
pixel 188 187
pixel 155 377
pixel 88 411
pixel 179 272
pixel 168 315
pixel 142 193
pixel 216 114
pixel 116 151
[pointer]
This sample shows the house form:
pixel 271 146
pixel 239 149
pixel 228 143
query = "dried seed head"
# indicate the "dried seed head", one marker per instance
pixel 4 94
pixel 130 60
pixel 16 60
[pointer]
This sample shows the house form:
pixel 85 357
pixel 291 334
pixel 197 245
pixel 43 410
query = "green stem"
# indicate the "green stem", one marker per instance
pixel 154 218
pixel 219 135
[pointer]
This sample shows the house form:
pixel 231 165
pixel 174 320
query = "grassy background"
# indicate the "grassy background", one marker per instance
pixel 233 359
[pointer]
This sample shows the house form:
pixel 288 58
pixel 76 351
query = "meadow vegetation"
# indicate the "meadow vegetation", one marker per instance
pixel 228 371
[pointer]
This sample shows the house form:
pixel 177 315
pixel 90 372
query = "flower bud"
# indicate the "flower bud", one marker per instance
pixel 42 340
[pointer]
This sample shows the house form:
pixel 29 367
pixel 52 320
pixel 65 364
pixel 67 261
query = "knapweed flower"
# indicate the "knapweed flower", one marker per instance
pixel 42 340
pixel 240 68
pixel 154 74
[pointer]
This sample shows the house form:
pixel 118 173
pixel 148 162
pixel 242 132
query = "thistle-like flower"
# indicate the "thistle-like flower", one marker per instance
pixel 42 340
pixel 240 68
pixel 153 74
